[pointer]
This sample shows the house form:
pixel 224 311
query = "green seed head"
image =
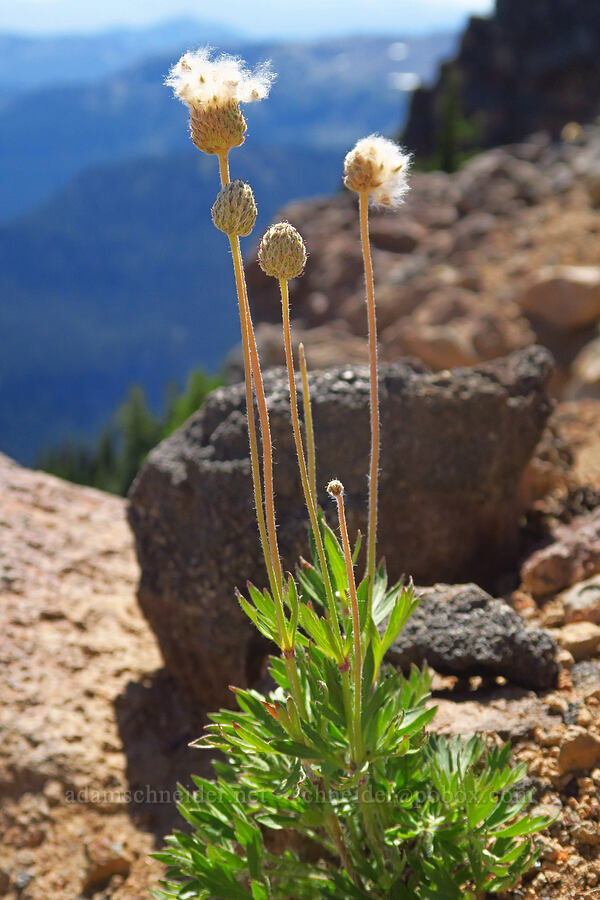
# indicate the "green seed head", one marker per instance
pixel 217 127
pixel 282 253
pixel 234 210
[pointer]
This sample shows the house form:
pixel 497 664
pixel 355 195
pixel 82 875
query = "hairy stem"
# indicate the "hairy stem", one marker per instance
pixel 308 422
pixel 310 505
pixel 224 168
pixel 373 838
pixel 253 374
pixel 254 459
pixel 374 393
pixel 357 667
pixel 265 430
pixel 347 695
pixel 294 681
pixel 338 838
pixel 259 391
pixel 270 545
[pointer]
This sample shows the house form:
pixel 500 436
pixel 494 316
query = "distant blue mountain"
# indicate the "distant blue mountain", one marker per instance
pixel 27 63
pixel 328 94
pixel 122 277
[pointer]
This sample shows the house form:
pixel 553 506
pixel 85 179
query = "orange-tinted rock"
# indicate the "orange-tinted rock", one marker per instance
pixel 573 555
pixel 456 327
pixel 581 639
pixel 565 297
pixel 579 750
pixel 581 603
pixel 451 264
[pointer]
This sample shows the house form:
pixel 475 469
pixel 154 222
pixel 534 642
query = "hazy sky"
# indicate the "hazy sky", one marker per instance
pixel 258 17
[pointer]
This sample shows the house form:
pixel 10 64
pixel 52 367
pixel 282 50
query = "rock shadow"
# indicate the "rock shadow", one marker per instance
pixel 156 724
pixel 486 706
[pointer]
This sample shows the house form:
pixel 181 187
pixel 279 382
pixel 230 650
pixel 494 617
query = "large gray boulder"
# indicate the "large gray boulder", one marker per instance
pixel 454 447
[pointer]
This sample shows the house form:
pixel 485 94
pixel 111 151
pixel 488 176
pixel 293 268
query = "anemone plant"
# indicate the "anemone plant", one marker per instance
pixel 331 785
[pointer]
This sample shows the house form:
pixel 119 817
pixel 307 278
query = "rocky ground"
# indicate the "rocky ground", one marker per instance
pixel 89 717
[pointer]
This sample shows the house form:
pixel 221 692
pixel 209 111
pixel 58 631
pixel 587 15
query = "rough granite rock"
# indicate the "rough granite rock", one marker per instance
pixel 460 630
pixel 454 447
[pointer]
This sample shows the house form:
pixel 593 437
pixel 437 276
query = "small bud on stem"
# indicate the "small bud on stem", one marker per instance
pixel 282 253
pixel 335 488
pixel 234 210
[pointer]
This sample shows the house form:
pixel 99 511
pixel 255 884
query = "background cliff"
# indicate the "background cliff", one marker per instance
pixel 532 66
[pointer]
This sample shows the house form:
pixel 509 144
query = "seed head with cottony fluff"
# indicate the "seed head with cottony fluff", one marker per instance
pixel 282 252
pixel 380 167
pixel 234 210
pixel 213 90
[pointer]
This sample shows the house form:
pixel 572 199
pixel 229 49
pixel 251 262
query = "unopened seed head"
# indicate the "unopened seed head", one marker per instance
pixel 379 167
pixel 217 127
pixel 282 252
pixel 335 488
pixel 234 210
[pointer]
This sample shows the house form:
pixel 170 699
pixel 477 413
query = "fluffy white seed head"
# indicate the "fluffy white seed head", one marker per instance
pixel 213 90
pixel 380 167
pixel 199 80
pixel 282 252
